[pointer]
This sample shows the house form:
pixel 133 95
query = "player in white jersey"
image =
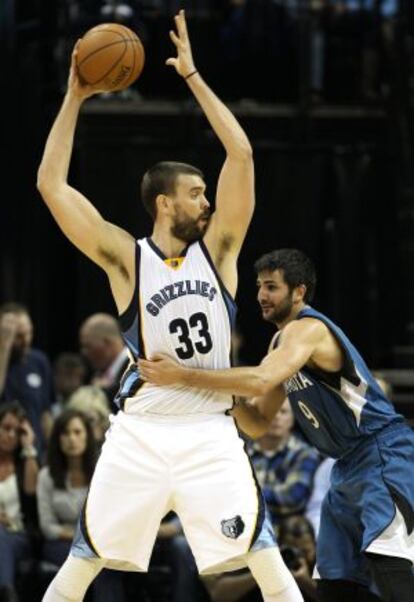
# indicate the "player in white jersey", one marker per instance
pixel 169 448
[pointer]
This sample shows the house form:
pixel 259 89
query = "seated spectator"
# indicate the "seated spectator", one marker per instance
pixel 69 373
pixel 285 467
pixel 25 372
pixel 18 477
pixel 61 493
pixel 298 549
pixel 103 347
pixel 93 402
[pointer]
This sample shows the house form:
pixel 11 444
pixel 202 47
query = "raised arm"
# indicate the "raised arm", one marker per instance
pixel 107 245
pixel 299 341
pixel 235 190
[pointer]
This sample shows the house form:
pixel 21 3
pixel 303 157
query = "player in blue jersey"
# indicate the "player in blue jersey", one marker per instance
pixel 366 540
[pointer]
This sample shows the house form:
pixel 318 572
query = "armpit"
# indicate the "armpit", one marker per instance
pixel 114 261
pixel 224 246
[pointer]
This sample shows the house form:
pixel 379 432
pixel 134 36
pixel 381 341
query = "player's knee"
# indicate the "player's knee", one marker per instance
pixel 269 571
pixel 74 578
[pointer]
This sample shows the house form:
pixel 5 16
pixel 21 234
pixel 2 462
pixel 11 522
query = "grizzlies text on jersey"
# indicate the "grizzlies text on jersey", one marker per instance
pixel 181 308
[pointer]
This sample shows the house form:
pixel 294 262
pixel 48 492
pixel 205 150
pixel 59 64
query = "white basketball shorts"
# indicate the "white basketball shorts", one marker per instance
pixel 195 466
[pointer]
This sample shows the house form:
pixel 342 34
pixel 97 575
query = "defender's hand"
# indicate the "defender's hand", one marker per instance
pixel 183 63
pixel 161 370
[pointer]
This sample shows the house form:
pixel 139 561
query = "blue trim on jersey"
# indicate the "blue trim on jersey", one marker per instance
pixel 82 545
pixel 160 254
pixel 227 296
pixel 127 317
pixel 129 385
pixel 337 410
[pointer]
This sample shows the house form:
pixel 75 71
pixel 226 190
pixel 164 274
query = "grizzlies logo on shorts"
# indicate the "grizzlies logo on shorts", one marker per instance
pixel 233 527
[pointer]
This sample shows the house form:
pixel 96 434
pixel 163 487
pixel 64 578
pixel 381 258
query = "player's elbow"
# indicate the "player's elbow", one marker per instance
pixel 46 185
pixel 259 430
pixel 42 183
pixel 255 429
pixel 261 386
pixel 241 150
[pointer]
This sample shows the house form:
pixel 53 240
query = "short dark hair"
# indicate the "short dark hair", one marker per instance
pixel 297 269
pixel 161 179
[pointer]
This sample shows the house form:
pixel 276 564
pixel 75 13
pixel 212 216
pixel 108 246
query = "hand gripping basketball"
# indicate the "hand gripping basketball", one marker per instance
pixel 110 57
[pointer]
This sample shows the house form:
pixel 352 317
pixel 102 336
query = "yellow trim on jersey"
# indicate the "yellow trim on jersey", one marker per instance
pixel 174 262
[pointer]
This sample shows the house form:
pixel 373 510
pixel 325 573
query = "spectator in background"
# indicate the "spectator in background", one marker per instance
pixel 92 401
pixel 102 345
pixel 321 484
pixel 285 467
pixel 61 493
pixel 298 549
pixel 25 372
pixel 18 477
pixel 69 373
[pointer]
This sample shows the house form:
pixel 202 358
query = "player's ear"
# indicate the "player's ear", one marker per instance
pixel 299 293
pixel 163 204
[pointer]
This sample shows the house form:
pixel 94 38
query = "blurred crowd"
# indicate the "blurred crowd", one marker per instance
pixel 309 51
pixel 53 420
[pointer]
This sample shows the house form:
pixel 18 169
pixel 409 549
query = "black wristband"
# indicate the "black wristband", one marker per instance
pixel 190 74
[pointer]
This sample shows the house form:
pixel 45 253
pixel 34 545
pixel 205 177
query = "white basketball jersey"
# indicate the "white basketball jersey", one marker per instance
pixel 180 308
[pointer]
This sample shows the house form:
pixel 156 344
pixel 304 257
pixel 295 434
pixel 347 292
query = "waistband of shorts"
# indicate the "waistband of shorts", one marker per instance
pixel 172 418
pixel 353 455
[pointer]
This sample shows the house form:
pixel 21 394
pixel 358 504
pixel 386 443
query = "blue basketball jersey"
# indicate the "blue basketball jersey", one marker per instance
pixel 338 411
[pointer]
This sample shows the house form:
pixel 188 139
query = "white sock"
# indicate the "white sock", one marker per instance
pixel 73 579
pixel 274 579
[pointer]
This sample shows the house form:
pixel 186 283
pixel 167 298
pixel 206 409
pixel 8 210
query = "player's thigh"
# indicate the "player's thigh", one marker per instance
pixel 129 494
pixel 339 540
pixel 217 497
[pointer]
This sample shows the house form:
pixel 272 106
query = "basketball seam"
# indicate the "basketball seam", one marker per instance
pixel 126 38
pixel 112 66
pixel 130 39
pixel 102 48
pixel 135 40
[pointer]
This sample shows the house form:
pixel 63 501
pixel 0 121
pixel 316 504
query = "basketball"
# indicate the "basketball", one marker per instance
pixel 110 57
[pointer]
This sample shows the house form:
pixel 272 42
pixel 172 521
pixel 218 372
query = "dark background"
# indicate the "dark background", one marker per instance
pixel 334 178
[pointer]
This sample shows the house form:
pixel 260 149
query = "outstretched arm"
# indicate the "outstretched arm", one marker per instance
pixel 254 417
pixel 235 191
pixel 107 245
pixel 299 340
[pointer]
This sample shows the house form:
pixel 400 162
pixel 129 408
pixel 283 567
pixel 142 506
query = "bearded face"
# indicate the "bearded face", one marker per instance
pixel 187 228
pixel 277 312
pixel 274 296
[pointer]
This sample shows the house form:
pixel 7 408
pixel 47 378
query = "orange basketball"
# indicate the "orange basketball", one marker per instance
pixel 110 57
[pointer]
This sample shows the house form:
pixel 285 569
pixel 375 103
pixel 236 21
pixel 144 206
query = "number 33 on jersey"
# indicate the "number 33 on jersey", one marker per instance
pixel 181 308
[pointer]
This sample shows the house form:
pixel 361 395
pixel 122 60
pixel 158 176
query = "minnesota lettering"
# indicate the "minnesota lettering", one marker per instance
pixel 179 289
pixel 297 383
